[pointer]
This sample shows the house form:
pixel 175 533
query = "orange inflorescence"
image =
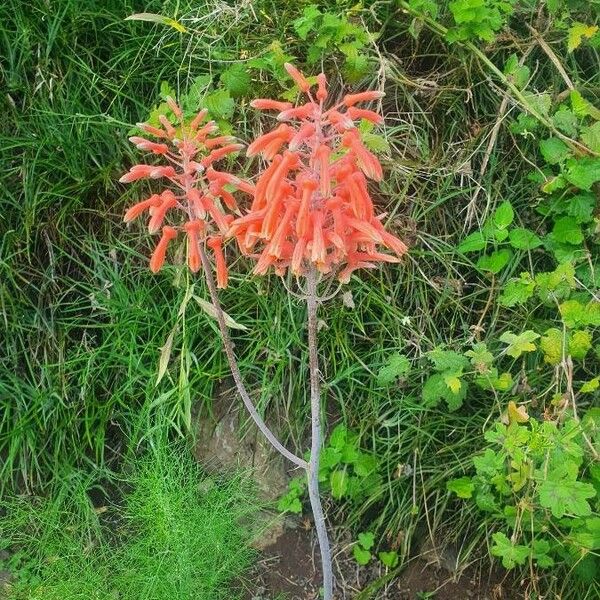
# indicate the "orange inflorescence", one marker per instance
pixel 199 191
pixel 311 204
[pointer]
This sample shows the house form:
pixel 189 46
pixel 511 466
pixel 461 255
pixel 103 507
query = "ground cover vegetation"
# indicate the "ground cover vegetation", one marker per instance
pixel 463 381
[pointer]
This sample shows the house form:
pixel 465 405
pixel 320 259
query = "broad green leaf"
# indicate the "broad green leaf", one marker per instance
pixel 481 357
pixel 584 172
pixel 365 464
pixel 511 554
pixel 375 143
pixel 236 79
pixel 463 487
pixel 567 231
pixel 590 386
pixel 397 365
pixel 447 360
pixel 517 291
pixel 308 21
pixel 580 343
pixel 389 559
pixel 453 382
pixel 554 150
pixel 582 108
pixel 504 215
pixel 566 121
pixel 581 207
pixel 518 344
pixel 564 496
pixel 338 481
pixel 472 243
pixel 366 540
pixel 361 555
pixel 220 104
pixel 551 345
pixel 591 136
pixel 494 262
pixel 573 314
pixel 577 32
pixel 523 239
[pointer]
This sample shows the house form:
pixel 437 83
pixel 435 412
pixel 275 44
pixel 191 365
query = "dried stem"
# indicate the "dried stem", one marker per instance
pixel 233 365
pixel 316 436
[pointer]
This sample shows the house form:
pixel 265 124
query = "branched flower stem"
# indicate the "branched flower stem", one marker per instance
pixel 235 371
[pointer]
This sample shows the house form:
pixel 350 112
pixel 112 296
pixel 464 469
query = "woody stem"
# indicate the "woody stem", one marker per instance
pixel 233 365
pixel 316 435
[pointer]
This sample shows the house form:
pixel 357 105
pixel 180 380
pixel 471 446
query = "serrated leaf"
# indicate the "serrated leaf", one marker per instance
pixel 523 239
pixel 581 207
pixel 511 554
pixel 463 487
pixel 472 243
pixel 566 121
pixel 494 262
pixel 584 172
pixel 582 108
pixel 554 150
pixel 481 357
pixel 504 215
pixel 573 313
pixel 236 79
pixel 577 32
pixel 565 496
pixel 397 365
pixel 518 344
pixel 375 143
pixel 567 230
pixel 447 360
pixel 517 291
pixel 580 343
pixel 453 382
pixel 591 136
pixel 220 104
pixel 590 386
pixel 551 345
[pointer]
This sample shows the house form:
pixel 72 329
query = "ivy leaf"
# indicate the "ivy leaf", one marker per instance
pixel 577 32
pixel 504 215
pixel 523 239
pixel 389 559
pixel 554 150
pixel 397 365
pixel 517 291
pixel 463 487
pixel 566 230
pixel 511 554
pixel 495 261
pixel 518 344
pixel 563 495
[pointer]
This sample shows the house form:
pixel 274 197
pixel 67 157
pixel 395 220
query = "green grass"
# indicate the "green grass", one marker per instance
pixel 83 321
pixel 174 534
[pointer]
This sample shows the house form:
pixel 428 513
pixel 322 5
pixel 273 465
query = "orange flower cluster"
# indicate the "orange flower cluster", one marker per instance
pixel 201 191
pixel 311 205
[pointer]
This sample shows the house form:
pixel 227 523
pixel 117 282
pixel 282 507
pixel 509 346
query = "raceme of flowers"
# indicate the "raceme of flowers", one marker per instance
pixel 311 206
pixel 199 191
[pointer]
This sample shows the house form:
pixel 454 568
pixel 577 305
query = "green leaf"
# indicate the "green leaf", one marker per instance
pixel 511 554
pixel 551 345
pixel 447 360
pixel 236 79
pixel 565 121
pixel 366 540
pixel 590 386
pixel 504 215
pixel 581 207
pixel 338 481
pixel 577 32
pixel 573 313
pixel 494 262
pixel 554 150
pixel 375 143
pixel 436 389
pixel 566 230
pixel 220 104
pixel 397 365
pixel 518 344
pixel 338 437
pixel 591 136
pixel 523 239
pixel 472 243
pixel 462 487
pixel 389 559
pixel 361 556
pixel 584 172
pixel 582 108
pixel 365 464
pixel 308 21
pixel 580 343
pixel 517 291
pixel 154 18
pixel 481 357
pixel 565 496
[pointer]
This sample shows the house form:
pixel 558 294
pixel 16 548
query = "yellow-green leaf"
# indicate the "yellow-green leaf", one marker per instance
pixel 577 32
pixel 154 18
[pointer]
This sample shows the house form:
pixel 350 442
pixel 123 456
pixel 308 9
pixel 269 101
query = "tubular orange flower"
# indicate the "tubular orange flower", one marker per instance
pixel 190 150
pixel 312 207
